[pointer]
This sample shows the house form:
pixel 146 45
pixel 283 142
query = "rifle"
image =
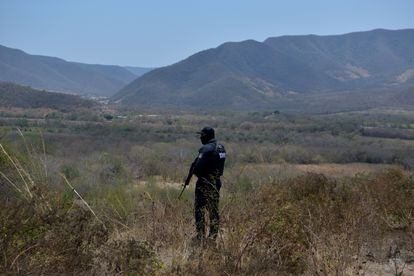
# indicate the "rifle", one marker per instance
pixel 188 179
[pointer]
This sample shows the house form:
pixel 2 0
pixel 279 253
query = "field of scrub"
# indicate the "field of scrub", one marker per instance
pixel 316 194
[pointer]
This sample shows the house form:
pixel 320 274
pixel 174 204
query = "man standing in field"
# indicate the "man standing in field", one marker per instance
pixel 208 167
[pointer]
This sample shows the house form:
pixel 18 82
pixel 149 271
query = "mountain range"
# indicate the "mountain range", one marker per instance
pixel 56 74
pixel 252 74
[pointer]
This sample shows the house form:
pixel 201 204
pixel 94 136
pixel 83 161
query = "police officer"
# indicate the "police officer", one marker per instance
pixel 208 167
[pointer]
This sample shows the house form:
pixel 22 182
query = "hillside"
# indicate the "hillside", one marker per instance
pixel 253 74
pixel 13 95
pixel 56 74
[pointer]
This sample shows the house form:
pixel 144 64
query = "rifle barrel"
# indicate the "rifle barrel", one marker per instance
pixel 182 191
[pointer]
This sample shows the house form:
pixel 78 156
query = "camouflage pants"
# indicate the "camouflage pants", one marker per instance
pixel 207 194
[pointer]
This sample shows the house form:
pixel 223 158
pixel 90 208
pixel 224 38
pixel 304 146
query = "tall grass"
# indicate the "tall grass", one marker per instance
pixel 48 228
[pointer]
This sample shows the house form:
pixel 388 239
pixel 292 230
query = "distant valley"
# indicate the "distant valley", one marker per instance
pixel 55 74
pixel 306 73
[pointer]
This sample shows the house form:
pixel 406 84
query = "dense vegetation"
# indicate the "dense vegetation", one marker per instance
pixel 279 212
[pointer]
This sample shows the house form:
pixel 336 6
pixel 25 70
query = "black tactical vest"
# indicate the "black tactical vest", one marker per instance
pixel 210 161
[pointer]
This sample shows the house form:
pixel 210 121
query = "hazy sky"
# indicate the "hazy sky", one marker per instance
pixel 156 33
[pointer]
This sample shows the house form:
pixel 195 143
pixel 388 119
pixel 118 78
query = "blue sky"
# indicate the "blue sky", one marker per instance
pixel 156 33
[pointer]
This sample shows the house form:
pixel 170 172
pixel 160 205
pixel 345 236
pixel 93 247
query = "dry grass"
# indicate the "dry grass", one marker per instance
pixel 291 221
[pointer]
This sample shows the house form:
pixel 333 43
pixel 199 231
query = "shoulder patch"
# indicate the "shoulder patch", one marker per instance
pixel 222 155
